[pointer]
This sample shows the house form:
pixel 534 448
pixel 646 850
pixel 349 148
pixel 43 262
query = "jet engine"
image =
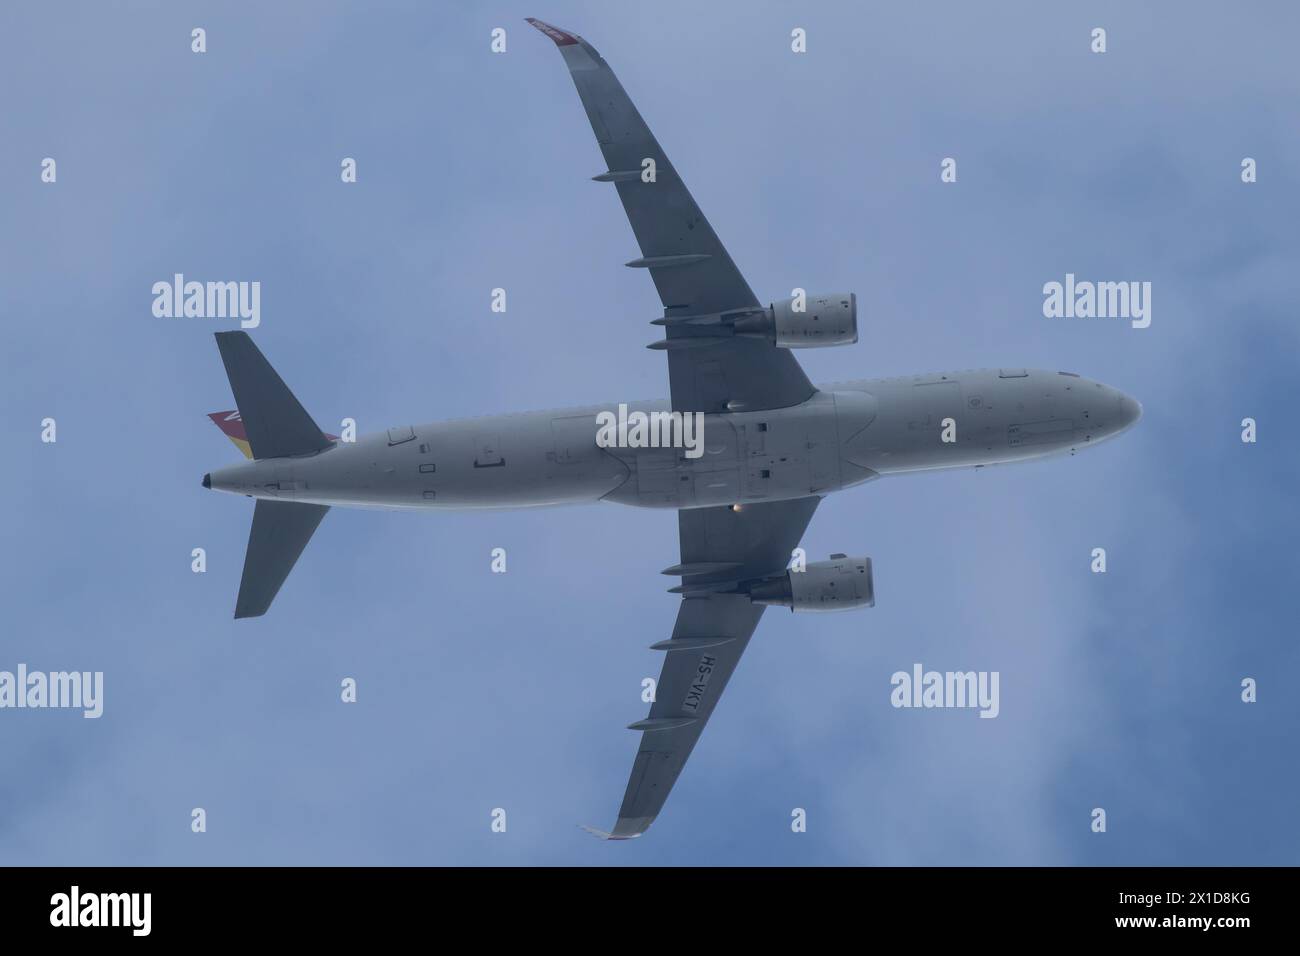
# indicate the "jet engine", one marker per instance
pixel 835 585
pixel 823 320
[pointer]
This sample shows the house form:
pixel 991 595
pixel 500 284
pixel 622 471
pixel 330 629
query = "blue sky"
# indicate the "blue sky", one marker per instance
pixel 478 690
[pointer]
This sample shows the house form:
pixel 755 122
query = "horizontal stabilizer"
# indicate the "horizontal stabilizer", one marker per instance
pixel 275 423
pixel 281 529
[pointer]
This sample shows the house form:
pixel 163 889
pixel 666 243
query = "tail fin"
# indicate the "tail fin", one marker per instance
pixel 281 529
pixel 233 428
pixel 274 423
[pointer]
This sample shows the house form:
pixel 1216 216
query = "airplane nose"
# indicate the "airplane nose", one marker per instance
pixel 1130 410
pixel 207 481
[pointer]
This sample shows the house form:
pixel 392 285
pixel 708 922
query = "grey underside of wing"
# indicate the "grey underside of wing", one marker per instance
pixel 668 223
pixel 759 540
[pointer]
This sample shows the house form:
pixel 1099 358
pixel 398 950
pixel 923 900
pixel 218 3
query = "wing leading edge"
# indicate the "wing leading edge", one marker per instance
pixel 691 268
pixel 712 631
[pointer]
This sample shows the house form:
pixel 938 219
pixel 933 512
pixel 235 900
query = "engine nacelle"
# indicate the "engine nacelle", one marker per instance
pixel 835 585
pixel 825 320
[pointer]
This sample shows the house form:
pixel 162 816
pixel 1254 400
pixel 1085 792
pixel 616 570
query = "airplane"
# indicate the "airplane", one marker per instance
pixel 773 445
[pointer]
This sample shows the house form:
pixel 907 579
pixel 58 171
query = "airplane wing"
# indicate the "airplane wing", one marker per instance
pixel 718 545
pixel 688 263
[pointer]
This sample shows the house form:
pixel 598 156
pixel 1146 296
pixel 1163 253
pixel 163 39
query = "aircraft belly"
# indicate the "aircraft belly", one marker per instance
pixel 502 462
pixel 1053 431
pixel 718 487
pixel 996 416
pixel 846 434
pixel 663 480
pixel 716 473
pixel 771 455
pixel 526 461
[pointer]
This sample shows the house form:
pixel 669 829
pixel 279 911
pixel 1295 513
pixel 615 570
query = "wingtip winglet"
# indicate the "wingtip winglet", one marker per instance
pixel 605 834
pixel 558 37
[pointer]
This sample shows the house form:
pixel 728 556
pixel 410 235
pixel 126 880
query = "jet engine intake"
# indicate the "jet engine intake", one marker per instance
pixel 823 320
pixel 835 585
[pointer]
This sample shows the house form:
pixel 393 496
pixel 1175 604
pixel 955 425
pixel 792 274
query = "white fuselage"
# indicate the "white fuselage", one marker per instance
pixel 845 434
